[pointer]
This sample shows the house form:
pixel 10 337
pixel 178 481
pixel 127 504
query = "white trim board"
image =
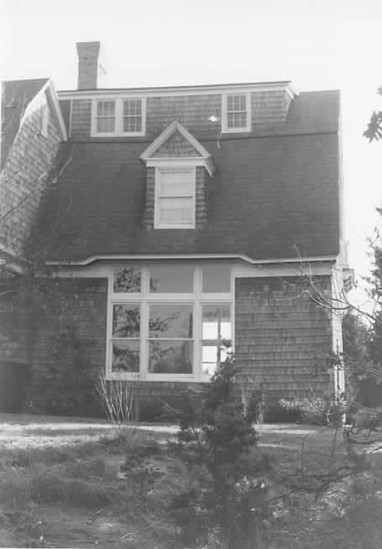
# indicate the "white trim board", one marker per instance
pixel 216 89
pixel 175 257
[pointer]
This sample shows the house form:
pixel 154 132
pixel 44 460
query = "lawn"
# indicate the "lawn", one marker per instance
pixel 73 483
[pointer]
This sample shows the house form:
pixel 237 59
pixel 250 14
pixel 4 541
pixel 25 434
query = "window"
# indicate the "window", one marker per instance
pixel 118 117
pixel 164 325
pixel 175 198
pixel 44 117
pixel 236 112
pixel 105 116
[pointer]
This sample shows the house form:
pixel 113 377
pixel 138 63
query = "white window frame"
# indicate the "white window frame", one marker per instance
pixel 197 298
pixel 118 117
pixel 158 175
pixel 225 128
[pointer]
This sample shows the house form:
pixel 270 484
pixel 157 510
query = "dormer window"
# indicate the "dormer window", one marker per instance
pixel 118 117
pixel 175 198
pixel 236 114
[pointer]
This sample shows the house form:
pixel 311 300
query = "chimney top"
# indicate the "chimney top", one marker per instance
pixel 88 53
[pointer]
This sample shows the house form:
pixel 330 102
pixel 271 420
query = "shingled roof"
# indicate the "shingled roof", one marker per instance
pixel 274 195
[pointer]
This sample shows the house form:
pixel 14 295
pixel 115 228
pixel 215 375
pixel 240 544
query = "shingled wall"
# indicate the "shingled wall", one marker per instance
pixel 23 179
pixel 283 338
pixel 268 108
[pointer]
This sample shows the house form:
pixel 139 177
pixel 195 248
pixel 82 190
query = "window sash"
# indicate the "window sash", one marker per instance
pixel 236 113
pixel 120 116
pixel 175 198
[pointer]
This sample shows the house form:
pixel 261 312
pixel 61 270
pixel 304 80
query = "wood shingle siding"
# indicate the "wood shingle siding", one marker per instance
pixel 282 338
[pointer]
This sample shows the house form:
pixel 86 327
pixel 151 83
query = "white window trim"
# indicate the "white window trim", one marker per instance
pixel 145 298
pixel 224 117
pixel 118 117
pixel 165 168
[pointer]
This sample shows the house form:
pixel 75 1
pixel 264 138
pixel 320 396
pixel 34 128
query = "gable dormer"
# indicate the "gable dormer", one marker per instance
pixel 177 168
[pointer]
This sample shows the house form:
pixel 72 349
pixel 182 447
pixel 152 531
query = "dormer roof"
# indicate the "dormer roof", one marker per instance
pixel 177 142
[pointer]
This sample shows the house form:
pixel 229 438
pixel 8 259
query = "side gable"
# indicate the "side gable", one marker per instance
pixel 16 96
pixel 32 132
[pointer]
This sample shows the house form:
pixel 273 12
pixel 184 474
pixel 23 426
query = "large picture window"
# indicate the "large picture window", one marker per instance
pixel 169 321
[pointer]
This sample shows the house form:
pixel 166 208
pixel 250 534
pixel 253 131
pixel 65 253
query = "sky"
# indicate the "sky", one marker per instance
pixel 325 44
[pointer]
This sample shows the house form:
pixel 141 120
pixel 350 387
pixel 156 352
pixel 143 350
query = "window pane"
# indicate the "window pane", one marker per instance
pixel 125 356
pixel 209 359
pixel 237 120
pixel 168 321
pixel 170 357
pixel 176 211
pixel 176 183
pixel 132 124
pixel 236 103
pixel 126 320
pixel 106 108
pixel 216 321
pixel 105 125
pixel 127 279
pixel 171 278
pixel 132 107
pixel 216 278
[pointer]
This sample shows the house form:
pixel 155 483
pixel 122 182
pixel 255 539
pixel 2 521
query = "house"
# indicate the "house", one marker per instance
pixel 184 217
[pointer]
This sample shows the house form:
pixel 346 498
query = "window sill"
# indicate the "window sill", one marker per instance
pixel 181 378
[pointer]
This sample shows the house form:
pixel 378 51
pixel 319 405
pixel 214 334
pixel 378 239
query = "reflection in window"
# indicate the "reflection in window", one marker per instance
pixel 216 278
pixel 125 356
pixel 170 357
pixel 170 321
pixel 170 338
pixel 127 279
pixel 216 335
pixel 126 320
pixel 125 338
pixel 171 278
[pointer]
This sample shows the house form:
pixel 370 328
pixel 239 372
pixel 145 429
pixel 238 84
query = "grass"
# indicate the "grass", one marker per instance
pixel 115 490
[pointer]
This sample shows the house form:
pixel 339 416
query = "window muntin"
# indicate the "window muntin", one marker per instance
pixel 119 117
pixel 236 112
pixel 175 198
pixel 166 334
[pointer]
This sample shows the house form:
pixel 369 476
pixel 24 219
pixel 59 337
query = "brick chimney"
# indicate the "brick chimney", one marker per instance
pixel 87 65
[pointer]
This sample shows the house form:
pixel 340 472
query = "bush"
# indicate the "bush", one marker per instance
pixel 325 410
pixel 225 501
